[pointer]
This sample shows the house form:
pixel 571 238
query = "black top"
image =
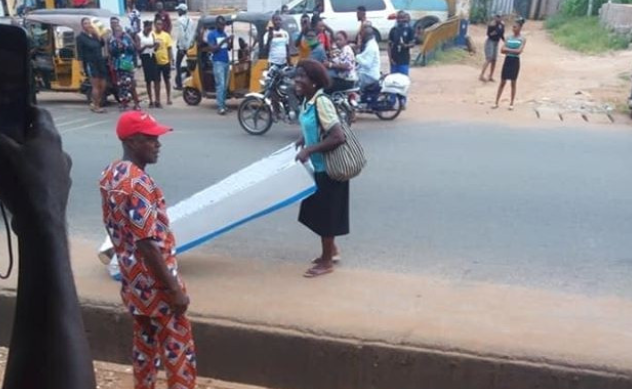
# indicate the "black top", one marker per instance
pixel 398 37
pixel 496 32
pixel 89 48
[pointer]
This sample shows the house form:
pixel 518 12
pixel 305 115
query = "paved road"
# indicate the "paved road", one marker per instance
pixel 541 208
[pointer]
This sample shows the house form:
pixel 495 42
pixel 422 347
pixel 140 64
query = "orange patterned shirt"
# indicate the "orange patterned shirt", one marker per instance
pixel 134 209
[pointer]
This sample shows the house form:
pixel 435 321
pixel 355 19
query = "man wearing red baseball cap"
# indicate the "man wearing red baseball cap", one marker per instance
pixel 135 217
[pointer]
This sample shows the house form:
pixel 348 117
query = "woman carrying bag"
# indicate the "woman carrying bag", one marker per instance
pixel 326 212
pixel 122 51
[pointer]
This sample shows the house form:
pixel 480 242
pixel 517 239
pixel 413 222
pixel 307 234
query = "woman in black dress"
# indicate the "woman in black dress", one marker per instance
pixel 512 49
pixel 146 45
pixel 326 212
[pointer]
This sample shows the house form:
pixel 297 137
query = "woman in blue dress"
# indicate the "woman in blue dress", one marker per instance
pixel 123 51
pixel 326 212
pixel 514 45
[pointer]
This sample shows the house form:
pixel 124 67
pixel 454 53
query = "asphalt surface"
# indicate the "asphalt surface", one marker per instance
pixel 545 208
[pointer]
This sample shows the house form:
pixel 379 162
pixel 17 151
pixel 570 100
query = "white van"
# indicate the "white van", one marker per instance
pixel 340 15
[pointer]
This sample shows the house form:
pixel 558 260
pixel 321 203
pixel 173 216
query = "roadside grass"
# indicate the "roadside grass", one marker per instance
pixel 452 56
pixel 584 34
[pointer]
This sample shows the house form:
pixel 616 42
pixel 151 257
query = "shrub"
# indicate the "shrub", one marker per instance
pixel 584 34
pixel 580 7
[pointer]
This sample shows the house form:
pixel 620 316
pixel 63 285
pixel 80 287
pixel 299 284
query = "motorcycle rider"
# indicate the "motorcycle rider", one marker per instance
pixel 369 60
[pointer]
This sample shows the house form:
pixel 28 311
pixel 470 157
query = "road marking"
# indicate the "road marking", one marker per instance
pixel 63 124
pixel 58 118
pixel 73 129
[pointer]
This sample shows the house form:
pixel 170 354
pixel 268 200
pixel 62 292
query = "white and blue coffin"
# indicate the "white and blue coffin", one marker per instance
pixel 264 187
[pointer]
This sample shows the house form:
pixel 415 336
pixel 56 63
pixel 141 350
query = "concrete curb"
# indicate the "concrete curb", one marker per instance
pixel 277 358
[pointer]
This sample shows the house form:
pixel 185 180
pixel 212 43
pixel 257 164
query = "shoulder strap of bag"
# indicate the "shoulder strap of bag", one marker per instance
pixel 320 127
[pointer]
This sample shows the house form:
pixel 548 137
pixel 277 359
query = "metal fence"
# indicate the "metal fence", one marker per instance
pixel 438 37
pixel 504 7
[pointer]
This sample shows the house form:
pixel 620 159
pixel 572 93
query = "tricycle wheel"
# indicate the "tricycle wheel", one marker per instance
pixel 191 96
pixel 255 115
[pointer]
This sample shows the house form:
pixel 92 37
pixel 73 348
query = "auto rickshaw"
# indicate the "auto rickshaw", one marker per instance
pixel 53 34
pixel 248 57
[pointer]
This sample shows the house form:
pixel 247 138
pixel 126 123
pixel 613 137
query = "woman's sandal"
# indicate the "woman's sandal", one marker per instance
pixel 317 271
pixel 336 258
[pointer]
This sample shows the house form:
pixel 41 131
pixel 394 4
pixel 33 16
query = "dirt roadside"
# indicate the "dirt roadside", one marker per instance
pixel 114 376
pixel 555 85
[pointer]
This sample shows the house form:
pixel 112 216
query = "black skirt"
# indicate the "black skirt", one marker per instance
pixel 150 69
pixel 511 68
pixel 326 212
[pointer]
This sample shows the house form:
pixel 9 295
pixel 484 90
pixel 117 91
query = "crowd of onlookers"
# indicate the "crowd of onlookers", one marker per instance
pixel 114 57
pixel 150 45
pixel 348 61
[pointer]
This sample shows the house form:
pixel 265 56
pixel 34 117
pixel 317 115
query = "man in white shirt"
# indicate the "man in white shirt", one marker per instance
pixel 186 32
pixel 277 43
pixel 369 60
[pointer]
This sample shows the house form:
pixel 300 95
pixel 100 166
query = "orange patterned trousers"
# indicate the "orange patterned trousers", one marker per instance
pixel 166 339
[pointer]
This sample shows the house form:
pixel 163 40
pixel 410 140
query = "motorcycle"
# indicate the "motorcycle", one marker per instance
pixel 384 98
pixel 257 112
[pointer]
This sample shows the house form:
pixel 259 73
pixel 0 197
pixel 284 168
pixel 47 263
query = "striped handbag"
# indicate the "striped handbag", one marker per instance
pixel 347 160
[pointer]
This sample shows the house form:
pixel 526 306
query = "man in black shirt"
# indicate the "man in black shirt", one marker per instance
pixel 495 32
pixel 90 52
pixel 400 40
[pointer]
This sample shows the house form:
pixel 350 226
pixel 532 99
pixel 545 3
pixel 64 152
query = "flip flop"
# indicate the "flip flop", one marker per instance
pixel 336 258
pixel 318 271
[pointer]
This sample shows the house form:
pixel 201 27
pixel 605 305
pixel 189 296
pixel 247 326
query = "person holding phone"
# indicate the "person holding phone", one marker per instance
pixel 90 52
pixel 301 41
pixel 49 348
pixel 401 40
pixel 220 43
pixel 277 43
pixel 146 45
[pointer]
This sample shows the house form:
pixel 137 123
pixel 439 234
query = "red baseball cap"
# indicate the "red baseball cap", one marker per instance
pixel 137 122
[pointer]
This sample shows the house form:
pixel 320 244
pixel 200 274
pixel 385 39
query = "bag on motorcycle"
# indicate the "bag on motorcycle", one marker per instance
pixel 347 160
pixel 396 83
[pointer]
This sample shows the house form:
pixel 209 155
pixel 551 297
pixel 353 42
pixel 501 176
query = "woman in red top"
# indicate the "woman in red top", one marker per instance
pixel 324 35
